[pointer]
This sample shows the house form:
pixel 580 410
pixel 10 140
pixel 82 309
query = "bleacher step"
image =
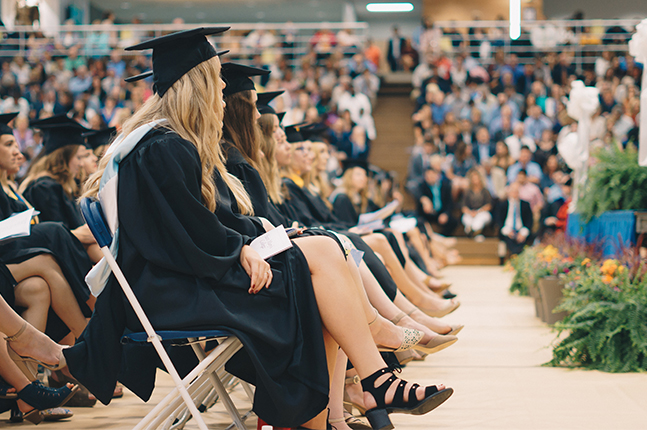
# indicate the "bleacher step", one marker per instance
pixel 478 253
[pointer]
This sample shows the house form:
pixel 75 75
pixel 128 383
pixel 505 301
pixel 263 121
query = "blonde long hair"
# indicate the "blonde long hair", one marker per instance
pixel 55 165
pixel 316 180
pixel 359 199
pixel 193 108
pixel 268 168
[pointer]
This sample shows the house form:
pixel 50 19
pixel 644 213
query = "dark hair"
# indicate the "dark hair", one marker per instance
pixel 525 147
pixel 239 127
pixel 523 171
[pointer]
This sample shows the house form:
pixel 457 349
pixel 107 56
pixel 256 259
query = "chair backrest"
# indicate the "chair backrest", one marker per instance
pixel 93 214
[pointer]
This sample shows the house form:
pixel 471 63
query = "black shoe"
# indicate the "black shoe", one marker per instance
pixel 378 417
pixel 448 295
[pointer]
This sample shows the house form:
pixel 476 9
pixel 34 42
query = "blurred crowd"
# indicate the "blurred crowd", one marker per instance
pixel 483 129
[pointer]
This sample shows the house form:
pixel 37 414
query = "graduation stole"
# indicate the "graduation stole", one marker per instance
pixel 98 277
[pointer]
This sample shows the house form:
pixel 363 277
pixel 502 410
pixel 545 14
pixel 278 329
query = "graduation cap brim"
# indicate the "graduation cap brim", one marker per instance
pixel 97 138
pixel 314 132
pixel 266 97
pixel 280 115
pixel 5 119
pixel 149 73
pixel 176 54
pixel 238 77
pixel 160 41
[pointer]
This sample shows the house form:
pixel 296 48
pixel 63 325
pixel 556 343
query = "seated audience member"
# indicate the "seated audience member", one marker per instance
pixel 514 217
pixel 476 205
pixel 357 146
pixel 525 162
pixel 435 202
pixel 530 192
pixel 418 163
pixel 501 158
pixel 461 162
pixel 518 140
pixel 483 148
pixel 536 123
pixel 545 148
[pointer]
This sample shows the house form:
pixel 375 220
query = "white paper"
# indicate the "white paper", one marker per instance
pixel 370 227
pixel 383 213
pixel 271 243
pixel 403 224
pixel 17 225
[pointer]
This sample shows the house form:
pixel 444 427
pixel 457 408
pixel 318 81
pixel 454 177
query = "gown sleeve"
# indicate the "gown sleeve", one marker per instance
pixel 173 229
pixel 47 200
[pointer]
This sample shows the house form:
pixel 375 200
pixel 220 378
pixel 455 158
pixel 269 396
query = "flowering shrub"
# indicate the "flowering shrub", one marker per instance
pixel 607 320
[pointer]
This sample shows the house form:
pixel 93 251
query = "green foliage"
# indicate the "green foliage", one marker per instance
pixel 522 265
pixel 616 182
pixel 607 320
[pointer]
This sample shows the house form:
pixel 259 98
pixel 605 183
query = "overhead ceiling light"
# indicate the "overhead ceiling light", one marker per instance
pixel 515 19
pixel 389 7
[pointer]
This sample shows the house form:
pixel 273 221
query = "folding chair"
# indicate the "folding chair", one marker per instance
pixel 204 379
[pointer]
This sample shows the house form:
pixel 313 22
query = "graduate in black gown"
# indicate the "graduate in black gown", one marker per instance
pixel 46 237
pixel 189 270
pixel 50 185
pixel 351 199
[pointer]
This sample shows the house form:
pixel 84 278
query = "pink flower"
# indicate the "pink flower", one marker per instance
pixel 555 271
pixel 566 270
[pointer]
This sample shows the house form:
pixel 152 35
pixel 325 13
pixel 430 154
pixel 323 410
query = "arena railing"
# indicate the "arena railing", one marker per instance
pixel 291 40
pixel 582 40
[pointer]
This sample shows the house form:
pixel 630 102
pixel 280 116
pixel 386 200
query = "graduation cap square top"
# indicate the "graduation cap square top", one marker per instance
pixel 293 132
pixel 177 53
pixel 262 104
pixel 5 119
pixel 97 138
pixel 59 131
pixel 238 77
pixel 314 132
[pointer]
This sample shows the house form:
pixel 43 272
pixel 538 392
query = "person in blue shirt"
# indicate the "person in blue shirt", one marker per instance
pixel 525 162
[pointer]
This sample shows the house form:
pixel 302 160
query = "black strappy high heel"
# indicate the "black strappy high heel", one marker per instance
pixel 40 398
pixel 379 416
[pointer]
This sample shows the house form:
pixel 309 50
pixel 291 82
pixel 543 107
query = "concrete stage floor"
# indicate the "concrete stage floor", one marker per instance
pixel 495 370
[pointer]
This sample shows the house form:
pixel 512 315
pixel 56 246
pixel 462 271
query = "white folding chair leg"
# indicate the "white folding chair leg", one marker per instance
pixel 216 359
pixel 220 389
pixel 152 337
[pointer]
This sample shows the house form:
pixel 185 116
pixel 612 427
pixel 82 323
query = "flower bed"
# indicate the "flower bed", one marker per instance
pixel 604 304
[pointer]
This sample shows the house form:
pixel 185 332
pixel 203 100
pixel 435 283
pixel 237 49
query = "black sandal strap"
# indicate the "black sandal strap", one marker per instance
pixel 40 397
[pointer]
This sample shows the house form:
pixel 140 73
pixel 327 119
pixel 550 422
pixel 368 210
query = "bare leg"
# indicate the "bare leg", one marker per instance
pixel 33 294
pixel 332 350
pixel 31 342
pixel 389 309
pixel 416 241
pixel 331 280
pixel 63 301
pixel 418 316
pixel 94 252
pixel 383 331
pixel 336 403
pixel 422 298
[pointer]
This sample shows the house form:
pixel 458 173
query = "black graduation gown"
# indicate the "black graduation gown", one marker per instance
pixel 55 239
pixel 48 197
pixel 250 178
pixel 182 262
pixel 7 284
pixel 344 209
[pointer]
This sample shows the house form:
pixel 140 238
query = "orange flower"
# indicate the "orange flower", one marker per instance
pixel 586 261
pixel 607 279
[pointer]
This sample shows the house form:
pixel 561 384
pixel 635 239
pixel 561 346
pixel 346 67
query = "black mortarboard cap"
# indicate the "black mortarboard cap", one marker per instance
pixel 569 182
pixel 177 53
pixel 266 97
pixel 293 133
pixel 97 138
pixel 262 104
pixel 59 131
pixel 280 115
pixel 314 132
pixel 238 77
pixel 349 164
pixel 5 119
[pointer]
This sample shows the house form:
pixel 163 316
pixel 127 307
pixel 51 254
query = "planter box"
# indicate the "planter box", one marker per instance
pixel 533 290
pixel 550 289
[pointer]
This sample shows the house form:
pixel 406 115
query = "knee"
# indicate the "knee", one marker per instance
pixel 33 291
